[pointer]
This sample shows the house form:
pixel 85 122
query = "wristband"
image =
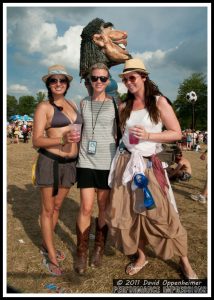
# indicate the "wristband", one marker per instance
pixel 62 141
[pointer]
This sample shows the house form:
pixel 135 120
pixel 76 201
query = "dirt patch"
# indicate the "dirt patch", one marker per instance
pixel 25 271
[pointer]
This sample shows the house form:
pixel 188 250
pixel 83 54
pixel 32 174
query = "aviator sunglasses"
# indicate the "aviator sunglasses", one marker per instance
pixel 131 78
pixel 102 78
pixel 55 80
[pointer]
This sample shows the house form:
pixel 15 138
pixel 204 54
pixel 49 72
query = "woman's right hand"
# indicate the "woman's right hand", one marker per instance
pixel 72 136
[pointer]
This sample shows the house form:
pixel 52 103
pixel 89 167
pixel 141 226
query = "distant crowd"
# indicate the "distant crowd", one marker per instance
pixel 192 139
pixel 19 130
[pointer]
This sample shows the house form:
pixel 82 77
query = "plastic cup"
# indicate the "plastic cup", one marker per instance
pixel 76 127
pixel 133 139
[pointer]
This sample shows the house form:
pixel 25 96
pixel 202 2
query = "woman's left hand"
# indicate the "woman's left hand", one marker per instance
pixel 139 132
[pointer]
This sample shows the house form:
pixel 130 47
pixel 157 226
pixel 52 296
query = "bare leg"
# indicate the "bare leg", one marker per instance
pixel 86 207
pixel 134 268
pixel 46 221
pixel 141 256
pixel 58 200
pixel 186 267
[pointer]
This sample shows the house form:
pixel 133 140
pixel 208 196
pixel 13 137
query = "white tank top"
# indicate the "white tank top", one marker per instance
pixel 141 117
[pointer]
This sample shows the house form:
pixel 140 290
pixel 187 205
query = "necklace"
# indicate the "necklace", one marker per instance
pixel 94 123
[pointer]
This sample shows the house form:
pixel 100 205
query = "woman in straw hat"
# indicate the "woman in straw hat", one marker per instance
pixel 140 214
pixel 58 151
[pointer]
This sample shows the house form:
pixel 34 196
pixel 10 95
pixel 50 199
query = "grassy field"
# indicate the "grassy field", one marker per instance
pixel 25 271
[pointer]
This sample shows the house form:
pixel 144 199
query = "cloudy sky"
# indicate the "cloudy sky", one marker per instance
pixel 173 42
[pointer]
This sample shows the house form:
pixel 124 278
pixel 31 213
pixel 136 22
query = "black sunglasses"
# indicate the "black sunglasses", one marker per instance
pixel 60 80
pixel 102 78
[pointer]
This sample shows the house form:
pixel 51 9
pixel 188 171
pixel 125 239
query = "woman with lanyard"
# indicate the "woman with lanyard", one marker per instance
pixel 97 149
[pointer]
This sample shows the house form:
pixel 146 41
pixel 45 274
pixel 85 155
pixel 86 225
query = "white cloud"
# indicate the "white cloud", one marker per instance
pixel 179 57
pixel 150 58
pixel 67 50
pixel 17 88
pixel 33 33
pixel 44 39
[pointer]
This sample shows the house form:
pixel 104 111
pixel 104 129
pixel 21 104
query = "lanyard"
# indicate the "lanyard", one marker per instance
pixel 94 124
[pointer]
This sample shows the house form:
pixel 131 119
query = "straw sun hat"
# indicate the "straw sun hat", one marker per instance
pixel 134 65
pixel 57 70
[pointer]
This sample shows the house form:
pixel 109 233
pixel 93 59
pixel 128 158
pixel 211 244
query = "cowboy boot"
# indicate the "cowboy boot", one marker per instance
pixel 82 250
pixel 100 240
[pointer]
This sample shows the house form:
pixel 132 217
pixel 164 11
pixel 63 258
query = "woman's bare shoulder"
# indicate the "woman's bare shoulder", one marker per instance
pixel 162 102
pixel 43 108
pixel 44 105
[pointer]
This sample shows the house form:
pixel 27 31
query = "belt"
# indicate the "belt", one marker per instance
pixel 57 160
pixel 123 148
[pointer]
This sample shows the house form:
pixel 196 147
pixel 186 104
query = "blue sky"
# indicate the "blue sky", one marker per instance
pixel 172 41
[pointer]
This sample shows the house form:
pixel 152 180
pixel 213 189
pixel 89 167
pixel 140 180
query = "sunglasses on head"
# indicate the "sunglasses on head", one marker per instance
pixel 131 78
pixel 102 78
pixel 56 80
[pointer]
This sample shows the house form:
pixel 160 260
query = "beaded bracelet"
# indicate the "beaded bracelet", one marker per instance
pixel 62 141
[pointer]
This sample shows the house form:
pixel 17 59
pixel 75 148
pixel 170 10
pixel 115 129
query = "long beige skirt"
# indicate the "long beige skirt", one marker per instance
pixel 159 227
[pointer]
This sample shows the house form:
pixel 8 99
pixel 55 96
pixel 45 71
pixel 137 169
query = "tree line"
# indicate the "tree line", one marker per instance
pixel 183 109
pixel 24 106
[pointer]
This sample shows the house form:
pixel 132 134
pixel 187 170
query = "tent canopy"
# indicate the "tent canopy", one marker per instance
pixel 21 118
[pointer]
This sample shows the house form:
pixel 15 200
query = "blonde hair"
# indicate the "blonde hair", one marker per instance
pixel 100 66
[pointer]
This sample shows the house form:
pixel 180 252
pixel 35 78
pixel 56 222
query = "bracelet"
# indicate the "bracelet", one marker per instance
pixel 62 141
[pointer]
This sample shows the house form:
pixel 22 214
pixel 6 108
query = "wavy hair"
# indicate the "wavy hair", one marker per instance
pixel 151 90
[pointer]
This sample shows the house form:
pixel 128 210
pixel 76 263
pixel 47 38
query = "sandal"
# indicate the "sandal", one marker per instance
pixel 131 269
pixel 188 276
pixel 60 255
pixel 52 268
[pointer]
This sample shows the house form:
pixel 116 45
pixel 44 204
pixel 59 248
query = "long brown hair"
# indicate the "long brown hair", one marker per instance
pixel 151 90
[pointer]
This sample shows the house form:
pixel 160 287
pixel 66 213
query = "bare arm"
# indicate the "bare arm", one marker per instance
pixel 175 171
pixel 169 120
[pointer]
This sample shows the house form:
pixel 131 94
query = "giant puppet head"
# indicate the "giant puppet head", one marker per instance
pixel 101 43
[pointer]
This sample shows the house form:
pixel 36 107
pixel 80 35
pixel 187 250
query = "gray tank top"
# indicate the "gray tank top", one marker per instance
pixel 104 133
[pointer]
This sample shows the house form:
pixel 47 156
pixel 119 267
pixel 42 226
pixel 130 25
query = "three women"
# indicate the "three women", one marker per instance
pixel 142 115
